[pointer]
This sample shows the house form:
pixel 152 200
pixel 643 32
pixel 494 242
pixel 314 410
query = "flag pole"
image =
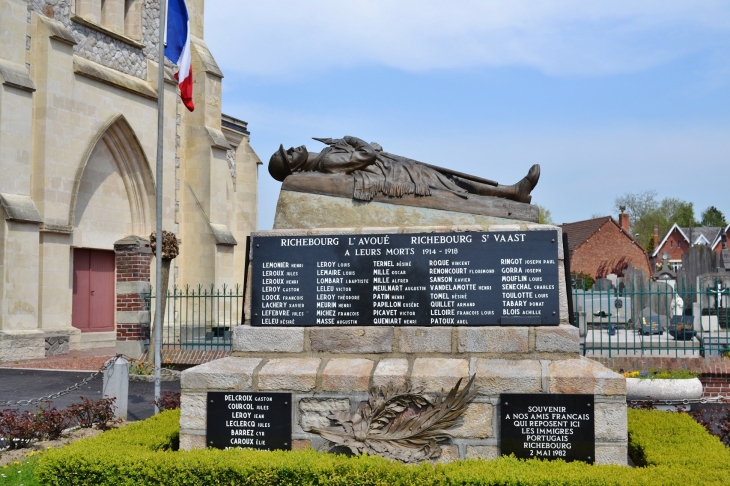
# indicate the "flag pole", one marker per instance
pixel 158 200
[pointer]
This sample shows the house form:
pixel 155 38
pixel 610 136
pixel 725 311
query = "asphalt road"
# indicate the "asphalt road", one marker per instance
pixel 18 384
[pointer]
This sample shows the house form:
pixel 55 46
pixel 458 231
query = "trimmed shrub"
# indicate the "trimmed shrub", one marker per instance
pixel 672 448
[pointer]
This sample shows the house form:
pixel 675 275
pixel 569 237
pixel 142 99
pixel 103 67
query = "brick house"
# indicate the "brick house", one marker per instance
pixel 678 240
pixel 717 242
pixel 601 246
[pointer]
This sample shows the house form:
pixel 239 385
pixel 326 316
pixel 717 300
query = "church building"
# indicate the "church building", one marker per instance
pixel 78 142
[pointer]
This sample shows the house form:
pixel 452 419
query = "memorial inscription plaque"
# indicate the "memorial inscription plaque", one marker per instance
pixel 548 426
pixel 251 420
pixel 439 279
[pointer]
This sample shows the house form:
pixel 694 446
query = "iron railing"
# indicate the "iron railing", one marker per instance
pixel 654 319
pixel 201 318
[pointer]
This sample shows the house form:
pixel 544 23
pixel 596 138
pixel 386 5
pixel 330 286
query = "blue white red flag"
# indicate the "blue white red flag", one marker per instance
pixel 177 48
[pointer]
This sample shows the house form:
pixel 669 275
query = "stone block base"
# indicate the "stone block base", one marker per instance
pixel 133 349
pixel 18 345
pixel 57 344
pixel 320 385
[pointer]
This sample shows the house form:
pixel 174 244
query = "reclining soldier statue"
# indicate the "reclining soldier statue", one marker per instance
pixel 378 172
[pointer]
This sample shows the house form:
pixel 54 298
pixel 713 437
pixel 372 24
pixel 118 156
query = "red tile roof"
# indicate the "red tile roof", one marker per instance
pixel 580 231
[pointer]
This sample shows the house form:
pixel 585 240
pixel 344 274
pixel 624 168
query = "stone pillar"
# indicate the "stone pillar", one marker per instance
pixel 196 10
pixel 133 288
pixel 133 19
pixel 89 9
pixel 20 337
pixel 112 15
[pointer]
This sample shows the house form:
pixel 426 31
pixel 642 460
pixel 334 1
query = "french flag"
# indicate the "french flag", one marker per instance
pixel 177 48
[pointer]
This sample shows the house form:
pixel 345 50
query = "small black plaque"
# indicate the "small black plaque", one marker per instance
pixel 436 279
pixel 548 426
pixel 251 420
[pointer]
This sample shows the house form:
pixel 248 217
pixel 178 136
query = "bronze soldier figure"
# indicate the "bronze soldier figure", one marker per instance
pixel 379 172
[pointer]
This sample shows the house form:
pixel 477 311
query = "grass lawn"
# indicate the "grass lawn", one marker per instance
pixel 20 473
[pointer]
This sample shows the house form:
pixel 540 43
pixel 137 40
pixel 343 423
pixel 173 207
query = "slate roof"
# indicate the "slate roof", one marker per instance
pixel 709 232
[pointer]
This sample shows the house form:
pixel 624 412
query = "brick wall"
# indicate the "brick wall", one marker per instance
pixel 716 386
pixel 608 246
pixel 718 247
pixel 675 245
pixel 131 265
pixel 133 284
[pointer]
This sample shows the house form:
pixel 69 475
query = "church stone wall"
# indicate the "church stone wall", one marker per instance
pixel 78 141
pixel 97 46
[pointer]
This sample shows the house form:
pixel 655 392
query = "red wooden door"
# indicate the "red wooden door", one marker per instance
pixel 93 290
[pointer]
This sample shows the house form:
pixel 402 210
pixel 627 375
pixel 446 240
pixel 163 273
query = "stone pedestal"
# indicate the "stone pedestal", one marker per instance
pixel 332 368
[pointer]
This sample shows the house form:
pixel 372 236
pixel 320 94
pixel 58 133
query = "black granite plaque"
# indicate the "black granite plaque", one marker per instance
pixel 251 420
pixel 424 279
pixel 548 426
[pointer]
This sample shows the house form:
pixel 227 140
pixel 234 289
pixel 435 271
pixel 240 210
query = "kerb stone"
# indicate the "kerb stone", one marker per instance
pixel 299 374
pixel 610 420
pixel 495 376
pixel 493 340
pixel 611 454
pixel 229 373
pixel 189 442
pixel 482 452
pixel 390 371
pixel 347 374
pixel 436 374
pixel 193 410
pixel 268 340
pixel 351 340
pixel 477 422
pixel 584 376
pixel 314 411
pixel 557 339
pixel 425 339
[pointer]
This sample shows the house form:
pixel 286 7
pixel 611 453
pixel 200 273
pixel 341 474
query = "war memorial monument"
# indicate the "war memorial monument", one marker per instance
pixel 406 310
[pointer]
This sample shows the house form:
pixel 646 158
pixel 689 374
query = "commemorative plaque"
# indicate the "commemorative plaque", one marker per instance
pixel 439 279
pixel 251 420
pixel 548 426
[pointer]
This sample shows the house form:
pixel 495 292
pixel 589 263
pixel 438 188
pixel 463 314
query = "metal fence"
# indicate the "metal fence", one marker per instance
pixel 201 318
pixel 654 319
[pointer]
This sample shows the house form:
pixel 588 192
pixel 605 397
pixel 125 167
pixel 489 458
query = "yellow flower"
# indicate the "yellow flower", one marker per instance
pixel 16 462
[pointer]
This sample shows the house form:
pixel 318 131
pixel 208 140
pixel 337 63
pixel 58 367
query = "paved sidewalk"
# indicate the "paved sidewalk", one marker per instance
pixel 86 360
pixel 35 378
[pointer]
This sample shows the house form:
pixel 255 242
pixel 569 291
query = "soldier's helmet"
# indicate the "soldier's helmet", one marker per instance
pixel 279 165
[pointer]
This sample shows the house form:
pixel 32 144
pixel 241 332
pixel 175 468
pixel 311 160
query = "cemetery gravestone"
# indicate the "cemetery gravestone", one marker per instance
pixel 661 298
pixel 603 285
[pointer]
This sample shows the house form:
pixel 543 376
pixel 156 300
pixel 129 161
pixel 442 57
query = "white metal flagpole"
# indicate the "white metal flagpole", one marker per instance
pixel 158 199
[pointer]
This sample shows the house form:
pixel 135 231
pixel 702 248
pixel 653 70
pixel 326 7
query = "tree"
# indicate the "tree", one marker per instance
pixel 713 217
pixel 544 215
pixel 645 211
pixel 637 205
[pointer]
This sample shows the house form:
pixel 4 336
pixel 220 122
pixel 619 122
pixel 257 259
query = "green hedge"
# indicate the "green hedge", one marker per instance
pixel 672 448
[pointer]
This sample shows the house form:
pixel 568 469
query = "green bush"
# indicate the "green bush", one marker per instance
pixel 671 447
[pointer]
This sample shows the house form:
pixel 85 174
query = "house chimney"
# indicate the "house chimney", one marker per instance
pixel 623 220
pixel 656 235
